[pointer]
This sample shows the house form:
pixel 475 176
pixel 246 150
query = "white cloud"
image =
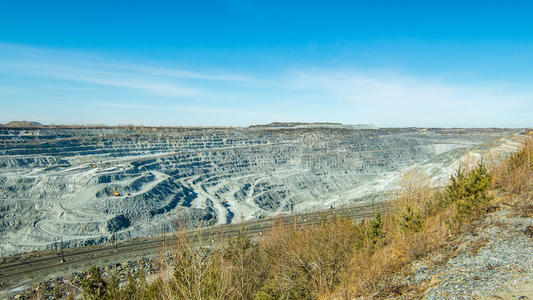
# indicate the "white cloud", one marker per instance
pixel 349 95
pixel 79 67
pixel 398 99
pixel 7 89
pixel 183 108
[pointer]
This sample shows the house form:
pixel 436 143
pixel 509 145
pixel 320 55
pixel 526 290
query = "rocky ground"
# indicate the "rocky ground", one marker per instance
pixel 494 260
pixel 71 284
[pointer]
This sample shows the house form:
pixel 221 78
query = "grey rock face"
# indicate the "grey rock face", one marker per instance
pixel 84 185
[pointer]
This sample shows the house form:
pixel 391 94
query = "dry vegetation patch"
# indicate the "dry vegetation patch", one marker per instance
pixel 340 258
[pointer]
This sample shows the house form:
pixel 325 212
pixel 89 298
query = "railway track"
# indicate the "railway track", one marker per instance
pixel 40 268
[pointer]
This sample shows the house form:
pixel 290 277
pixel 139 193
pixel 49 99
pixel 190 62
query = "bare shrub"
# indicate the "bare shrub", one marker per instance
pixel 308 261
pixel 337 257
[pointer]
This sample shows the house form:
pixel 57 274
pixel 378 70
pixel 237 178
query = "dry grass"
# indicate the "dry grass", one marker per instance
pixel 414 230
pixel 515 175
pixel 339 258
pixel 309 261
pixel 514 179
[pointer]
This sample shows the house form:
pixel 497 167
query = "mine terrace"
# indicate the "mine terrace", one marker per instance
pixel 85 185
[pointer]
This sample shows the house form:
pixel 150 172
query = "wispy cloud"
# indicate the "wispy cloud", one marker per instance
pixel 404 99
pixel 72 66
pixel 7 89
pixel 391 88
pixel 308 93
pixel 180 108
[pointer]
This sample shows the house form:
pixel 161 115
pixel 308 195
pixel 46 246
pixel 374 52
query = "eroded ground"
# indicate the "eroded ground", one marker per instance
pixel 82 186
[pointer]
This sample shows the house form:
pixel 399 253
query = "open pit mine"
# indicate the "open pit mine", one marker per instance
pixel 82 186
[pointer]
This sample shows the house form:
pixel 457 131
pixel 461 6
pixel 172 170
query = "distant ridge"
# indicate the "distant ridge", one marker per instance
pixel 273 125
pixel 282 125
pixel 37 125
pixel 25 124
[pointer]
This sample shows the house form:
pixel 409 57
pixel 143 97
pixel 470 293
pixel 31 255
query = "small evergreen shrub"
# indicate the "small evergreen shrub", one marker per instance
pixel 410 218
pixel 469 191
pixel 335 258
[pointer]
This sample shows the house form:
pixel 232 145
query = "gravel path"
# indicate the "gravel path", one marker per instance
pixel 495 262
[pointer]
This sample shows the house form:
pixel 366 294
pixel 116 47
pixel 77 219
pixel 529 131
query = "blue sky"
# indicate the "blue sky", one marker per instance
pixel 390 63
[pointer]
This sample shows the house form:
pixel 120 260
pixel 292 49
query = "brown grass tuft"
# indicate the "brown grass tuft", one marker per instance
pixel 515 175
pixel 337 258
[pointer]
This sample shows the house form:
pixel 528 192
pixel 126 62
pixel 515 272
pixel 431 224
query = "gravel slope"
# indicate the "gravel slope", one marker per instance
pixel 493 261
